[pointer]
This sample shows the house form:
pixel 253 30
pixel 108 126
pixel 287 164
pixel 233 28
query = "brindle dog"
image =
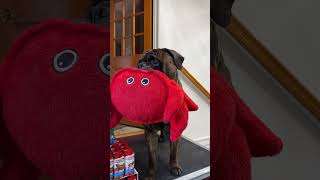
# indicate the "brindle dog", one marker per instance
pixel 169 62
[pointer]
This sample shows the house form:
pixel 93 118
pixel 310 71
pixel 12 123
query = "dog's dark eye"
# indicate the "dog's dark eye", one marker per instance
pixel 104 64
pixel 155 62
pixel 145 81
pixel 65 60
pixel 130 80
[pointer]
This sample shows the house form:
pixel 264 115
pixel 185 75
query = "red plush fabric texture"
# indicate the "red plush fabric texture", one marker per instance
pixel 55 123
pixel 160 100
pixel 238 134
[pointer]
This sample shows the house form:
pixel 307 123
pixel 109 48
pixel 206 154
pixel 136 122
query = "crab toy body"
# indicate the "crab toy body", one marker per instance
pixel 148 97
pixel 53 88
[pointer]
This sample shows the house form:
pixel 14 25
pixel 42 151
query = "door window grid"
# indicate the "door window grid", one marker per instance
pixel 128 37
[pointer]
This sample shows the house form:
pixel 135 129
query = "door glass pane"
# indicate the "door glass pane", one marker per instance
pixel 129 7
pixel 118 9
pixel 118 29
pixel 117 45
pixel 128 27
pixel 128 45
pixel 139 23
pixel 139 44
pixel 139 6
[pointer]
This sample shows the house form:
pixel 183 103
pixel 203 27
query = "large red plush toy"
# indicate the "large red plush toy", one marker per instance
pixel 149 96
pixel 237 133
pixel 54 89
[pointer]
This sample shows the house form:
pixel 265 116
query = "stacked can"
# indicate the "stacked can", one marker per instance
pixel 111 166
pixel 128 158
pixel 118 162
pixel 122 158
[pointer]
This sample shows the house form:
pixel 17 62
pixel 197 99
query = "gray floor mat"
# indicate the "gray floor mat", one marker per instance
pixel 192 157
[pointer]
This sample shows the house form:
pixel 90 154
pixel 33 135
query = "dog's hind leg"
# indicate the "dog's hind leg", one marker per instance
pixel 174 165
pixel 151 137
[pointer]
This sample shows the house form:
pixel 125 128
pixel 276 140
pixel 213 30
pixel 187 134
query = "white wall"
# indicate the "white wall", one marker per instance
pixel 299 130
pixel 291 30
pixel 184 25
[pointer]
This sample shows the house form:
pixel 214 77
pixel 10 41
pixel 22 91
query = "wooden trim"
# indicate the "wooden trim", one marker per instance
pixel 129 134
pixel 123 42
pixel 134 28
pixel 128 17
pixel 112 30
pixel 128 123
pixel 138 34
pixel 148 24
pixel 130 36
pixel 273 65
pixel 195 82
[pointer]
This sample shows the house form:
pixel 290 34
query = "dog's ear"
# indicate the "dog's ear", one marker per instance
pixel 177 58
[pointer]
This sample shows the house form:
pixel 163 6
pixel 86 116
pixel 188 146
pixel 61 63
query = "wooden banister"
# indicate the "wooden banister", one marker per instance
pixel 195 82
pixel 273 65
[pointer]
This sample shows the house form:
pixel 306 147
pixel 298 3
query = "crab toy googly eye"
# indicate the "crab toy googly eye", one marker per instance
pixel 130 80
pixel 145 81
pixel 65 60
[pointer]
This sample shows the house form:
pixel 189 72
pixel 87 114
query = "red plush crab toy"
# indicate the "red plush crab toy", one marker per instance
pixel 149 96
pixel 54 86
pixel 238 134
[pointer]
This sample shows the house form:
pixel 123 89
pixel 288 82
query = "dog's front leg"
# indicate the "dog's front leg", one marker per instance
pixel 175 167
pixel 152 146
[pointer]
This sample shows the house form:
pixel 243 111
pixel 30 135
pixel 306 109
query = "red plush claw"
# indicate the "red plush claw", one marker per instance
pixel 174 102
pixel 191 105
pixel 238 134
pixel 148 97
pixel 261 140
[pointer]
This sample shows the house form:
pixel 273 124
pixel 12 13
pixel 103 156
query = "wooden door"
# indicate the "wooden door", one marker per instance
pixel 131 34
pixel 131 31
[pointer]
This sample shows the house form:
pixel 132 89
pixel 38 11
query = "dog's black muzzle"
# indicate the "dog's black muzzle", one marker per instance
pixel 149 62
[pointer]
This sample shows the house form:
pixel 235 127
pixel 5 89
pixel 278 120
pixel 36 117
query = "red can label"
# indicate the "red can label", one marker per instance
pixel 119 164
pixel 129 161
pixel 111 166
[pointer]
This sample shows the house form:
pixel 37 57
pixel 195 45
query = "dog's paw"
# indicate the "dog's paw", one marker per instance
pixel 176 170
